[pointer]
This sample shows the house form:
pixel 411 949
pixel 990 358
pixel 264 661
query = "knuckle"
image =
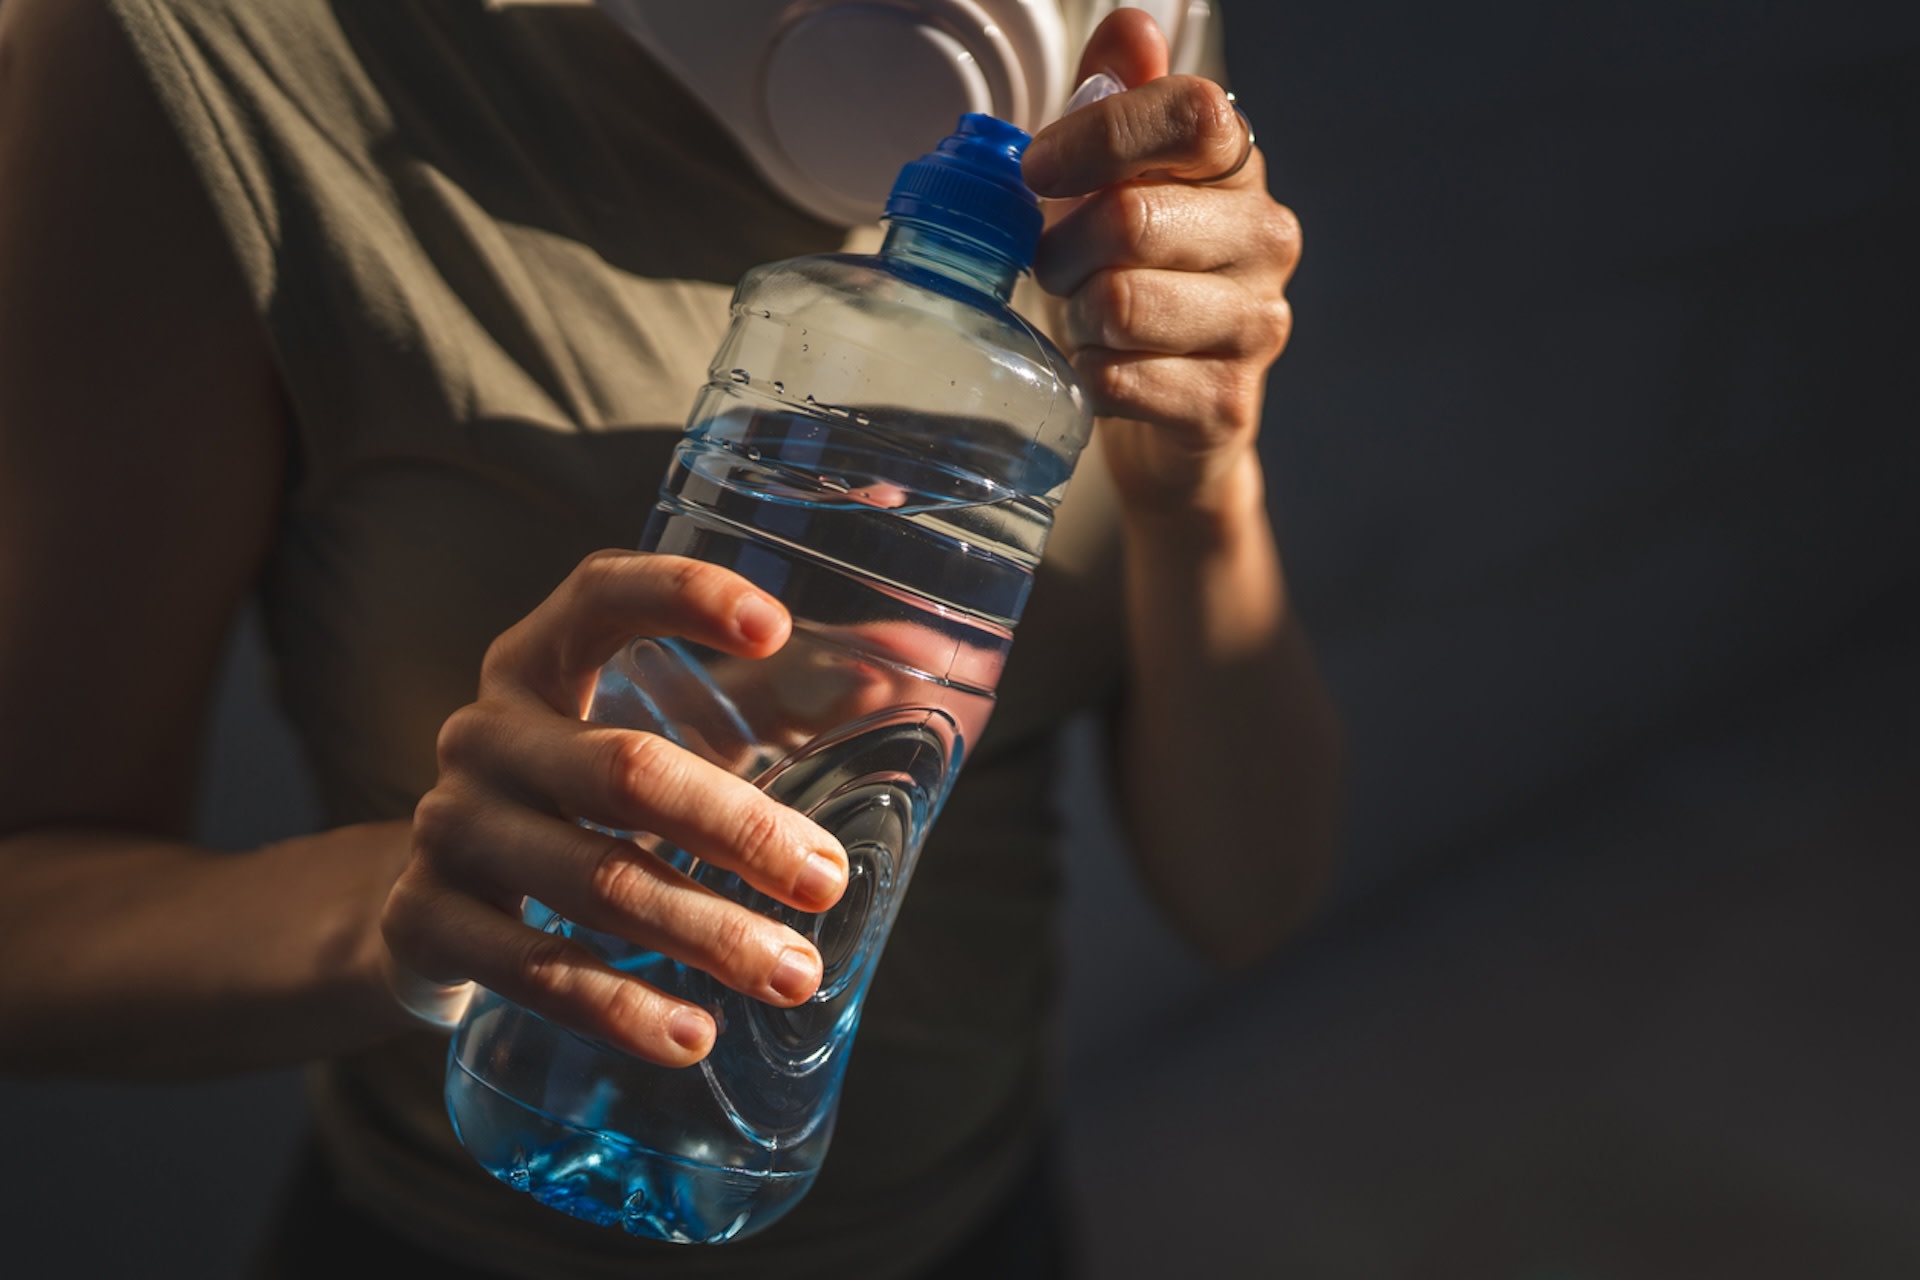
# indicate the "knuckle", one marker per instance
pixel 622 880
pixel 693 581
pixel 1213 106
pixel 438 822
pixel 701 592
pixel 629 1003
pixel 410 928
pixel 603 559
pixel 1286 233
pixel 461 737
pixel 759 833
pixel 1203 112
pixel 405 911
pixel 1130 210
pixel 1102 380
pixel 1111 382
pixel 594 581
pixel 687 575
pixel 1126 131
pixel 734 943
pixel 501 660
pixel 597 567
pixel 1262 329
pixel 1114 298
pixel 1082 322
pixel 1104 309
pixel 1276 237
pixel 546 963
pixel 1278 315
pixel 640 764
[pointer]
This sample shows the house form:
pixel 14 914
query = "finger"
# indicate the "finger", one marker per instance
pixel 1171 226
pixel 613 886
pixel 1176 313
pixel 1127 44
pixel 613 596
pixel 1177 126
pixel 634 781
pixel 446 934
pixel 1205 400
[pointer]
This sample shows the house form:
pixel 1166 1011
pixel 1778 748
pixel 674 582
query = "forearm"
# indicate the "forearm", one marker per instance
pixel 1228 746
pixel 126 955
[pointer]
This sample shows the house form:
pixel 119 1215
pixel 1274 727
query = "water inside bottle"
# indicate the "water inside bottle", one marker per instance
pixel 596 1172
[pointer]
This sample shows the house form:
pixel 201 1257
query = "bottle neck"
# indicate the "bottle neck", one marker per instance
pixel 954 256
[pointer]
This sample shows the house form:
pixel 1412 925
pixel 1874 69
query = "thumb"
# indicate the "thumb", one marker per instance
pixel 1129 45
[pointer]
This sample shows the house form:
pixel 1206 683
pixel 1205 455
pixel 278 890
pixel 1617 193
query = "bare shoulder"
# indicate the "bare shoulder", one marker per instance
pixel 141 430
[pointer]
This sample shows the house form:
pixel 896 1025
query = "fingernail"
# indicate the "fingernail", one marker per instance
pixel 689 1030
pixel 1101 84
pixel 758 620
pixel 820 880
pixel 794 975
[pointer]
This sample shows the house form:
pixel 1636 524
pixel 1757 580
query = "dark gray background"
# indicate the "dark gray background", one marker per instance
pixel 1593 457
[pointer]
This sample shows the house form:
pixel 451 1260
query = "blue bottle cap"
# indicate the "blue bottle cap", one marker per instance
pixel 970 184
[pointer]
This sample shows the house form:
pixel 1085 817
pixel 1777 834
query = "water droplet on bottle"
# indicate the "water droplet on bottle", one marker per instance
pixel 834 484
pixel 803 346
pixel 740 376
pixel 863 419
pixel 779 387
pixel 810 399
pixel 519 1177
pixel 753 454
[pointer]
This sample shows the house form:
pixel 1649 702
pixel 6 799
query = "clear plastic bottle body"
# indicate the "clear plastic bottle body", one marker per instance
pixel 881 443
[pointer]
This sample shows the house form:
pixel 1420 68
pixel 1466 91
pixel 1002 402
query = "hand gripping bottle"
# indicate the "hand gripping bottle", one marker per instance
pixel 881 443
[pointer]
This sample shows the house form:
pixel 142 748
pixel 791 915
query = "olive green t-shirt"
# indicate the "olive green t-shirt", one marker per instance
pixel 492 248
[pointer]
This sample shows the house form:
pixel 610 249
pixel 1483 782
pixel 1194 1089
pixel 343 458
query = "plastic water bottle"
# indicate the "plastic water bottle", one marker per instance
pixel 881 443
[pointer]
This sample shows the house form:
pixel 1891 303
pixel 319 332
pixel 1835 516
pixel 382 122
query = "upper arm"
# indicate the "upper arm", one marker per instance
pixel 142 434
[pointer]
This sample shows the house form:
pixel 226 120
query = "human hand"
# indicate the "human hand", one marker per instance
pixel 519 769
pixel 1173 282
